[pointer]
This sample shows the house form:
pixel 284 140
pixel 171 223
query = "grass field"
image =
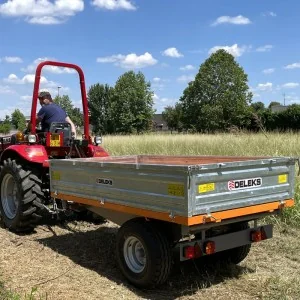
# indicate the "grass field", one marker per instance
pixel 70 261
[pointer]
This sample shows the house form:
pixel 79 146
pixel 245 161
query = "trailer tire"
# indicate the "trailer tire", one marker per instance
pixel 143 254
pixel 20 193
pixel 238 254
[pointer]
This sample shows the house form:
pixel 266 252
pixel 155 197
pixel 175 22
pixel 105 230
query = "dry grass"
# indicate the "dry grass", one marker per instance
pixel 242 144
pixel 76 260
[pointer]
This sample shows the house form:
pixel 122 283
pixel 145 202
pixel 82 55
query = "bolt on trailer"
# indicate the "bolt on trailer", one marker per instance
pixel 197 205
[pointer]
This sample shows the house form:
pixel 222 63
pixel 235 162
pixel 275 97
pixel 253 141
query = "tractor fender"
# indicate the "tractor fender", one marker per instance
pixel 96 151
pixel 30 153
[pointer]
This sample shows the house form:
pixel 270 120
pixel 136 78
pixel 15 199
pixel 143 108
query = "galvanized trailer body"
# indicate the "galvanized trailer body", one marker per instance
pixel 187 190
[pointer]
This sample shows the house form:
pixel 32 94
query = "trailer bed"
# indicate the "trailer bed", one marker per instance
pixel 187 190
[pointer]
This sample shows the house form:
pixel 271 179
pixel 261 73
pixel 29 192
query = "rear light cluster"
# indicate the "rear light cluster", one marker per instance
pixel 258 235
pixel 195 251
pixel 209 247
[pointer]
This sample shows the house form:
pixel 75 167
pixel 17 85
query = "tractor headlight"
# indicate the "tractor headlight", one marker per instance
pixel 98 140
pixel 32 138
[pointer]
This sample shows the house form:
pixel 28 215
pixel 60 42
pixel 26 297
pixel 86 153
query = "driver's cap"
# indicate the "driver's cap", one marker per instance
pixel 43 93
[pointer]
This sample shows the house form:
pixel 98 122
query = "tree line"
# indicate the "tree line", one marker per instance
pixel 217 100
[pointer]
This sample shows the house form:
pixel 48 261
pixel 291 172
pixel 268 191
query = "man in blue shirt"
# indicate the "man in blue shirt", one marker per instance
pixel 51 112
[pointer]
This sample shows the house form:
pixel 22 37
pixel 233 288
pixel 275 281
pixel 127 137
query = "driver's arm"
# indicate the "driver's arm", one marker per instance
pixel 73 128
pixel 38 120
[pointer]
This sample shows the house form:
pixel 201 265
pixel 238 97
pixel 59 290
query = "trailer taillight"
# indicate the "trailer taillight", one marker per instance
pixel 258 235
pixel 209 247
pixel 192 251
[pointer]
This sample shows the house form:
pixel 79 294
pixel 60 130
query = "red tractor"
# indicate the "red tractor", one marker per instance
pixel 24 166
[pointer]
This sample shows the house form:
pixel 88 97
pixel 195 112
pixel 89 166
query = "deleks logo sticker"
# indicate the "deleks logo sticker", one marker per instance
pixel 244 183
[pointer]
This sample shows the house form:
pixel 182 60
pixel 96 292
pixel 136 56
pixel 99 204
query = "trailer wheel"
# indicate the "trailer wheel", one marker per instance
pixel 20 193
pixel 238 254
pixel 143 254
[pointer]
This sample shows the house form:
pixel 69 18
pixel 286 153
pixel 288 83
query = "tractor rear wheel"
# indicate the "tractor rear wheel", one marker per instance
pixel 20 196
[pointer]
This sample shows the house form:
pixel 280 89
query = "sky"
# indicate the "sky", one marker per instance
pixel 167 40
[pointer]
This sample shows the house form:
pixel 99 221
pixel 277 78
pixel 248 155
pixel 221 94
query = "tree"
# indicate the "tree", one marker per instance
pixel 99 102
pixel 5 125
pixel 132 105
pixel 219 97
pixel 4 128
pixel 18 120
pixel 172 115
pixel 274 103
pixel 73 112
pixel 258 106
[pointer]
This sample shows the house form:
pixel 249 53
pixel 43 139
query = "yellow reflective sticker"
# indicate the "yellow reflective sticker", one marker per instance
pixel 55 175
pixel 55 140
pixel 282 178
pixel 207 187
pixel 176 189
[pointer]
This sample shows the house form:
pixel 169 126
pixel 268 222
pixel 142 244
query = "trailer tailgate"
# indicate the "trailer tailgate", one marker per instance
pixel 230 185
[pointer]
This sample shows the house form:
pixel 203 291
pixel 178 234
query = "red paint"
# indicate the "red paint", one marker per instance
pixel 32 153
pixel 96 151
pixel 36 91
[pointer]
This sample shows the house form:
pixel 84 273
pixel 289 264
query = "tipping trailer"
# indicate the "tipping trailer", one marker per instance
pixel 199 205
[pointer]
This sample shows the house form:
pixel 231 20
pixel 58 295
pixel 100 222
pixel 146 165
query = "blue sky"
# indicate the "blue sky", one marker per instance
pixel 166 40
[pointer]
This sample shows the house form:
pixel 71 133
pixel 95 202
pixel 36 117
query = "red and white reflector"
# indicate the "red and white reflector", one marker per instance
pixel 192 251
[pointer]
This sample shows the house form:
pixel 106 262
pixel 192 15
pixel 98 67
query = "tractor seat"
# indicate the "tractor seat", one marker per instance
pixel 65 127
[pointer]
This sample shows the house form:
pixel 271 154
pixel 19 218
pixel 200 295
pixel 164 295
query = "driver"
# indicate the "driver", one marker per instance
pixel 51 112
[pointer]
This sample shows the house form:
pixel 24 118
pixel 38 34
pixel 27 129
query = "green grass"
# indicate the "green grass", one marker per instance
pixel 242 144
pixel 6 294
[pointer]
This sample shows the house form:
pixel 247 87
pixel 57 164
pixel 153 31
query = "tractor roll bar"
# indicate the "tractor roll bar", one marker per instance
pixel 36 90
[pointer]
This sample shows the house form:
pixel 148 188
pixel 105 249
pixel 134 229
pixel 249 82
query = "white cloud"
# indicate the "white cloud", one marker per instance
pixel 50 69
pixel 155 97
pixel 172 52
pixel 269 14
pixel 186 78
pixel 187 68
pixel 238 20
pixel 114 4
pixel 290 85
pixel 293 66
pixel 129 61
pixel 264 86
pixel 293 99
pixel 161 102
pixel 26 98
pixel 265 48
pixel 156 79
pixel 268 71
pixel 12 59
pixel 43 12
pixel 4 89
pixel 234 50
pixel 29 78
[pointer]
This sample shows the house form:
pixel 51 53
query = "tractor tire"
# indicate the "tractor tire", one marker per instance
pixel 238 254
pixel 143 254
pixel 20 197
